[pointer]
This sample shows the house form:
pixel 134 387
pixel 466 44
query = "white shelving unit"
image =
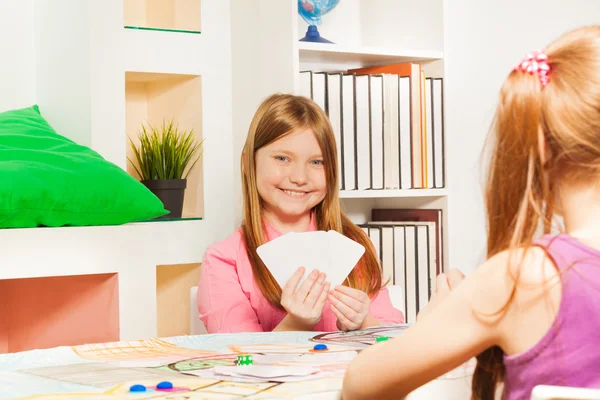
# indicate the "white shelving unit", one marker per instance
pixel 209 64
pixel 96 82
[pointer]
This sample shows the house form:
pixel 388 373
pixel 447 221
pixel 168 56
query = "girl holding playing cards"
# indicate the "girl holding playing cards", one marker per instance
pixel 290 183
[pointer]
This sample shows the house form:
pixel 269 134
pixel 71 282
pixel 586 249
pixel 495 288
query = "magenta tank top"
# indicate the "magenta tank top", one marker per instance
pixel 569 353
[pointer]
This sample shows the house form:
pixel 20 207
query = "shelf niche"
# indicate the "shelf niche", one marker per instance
pixel 41 313
pixel 152 98
pixel 173 15
pixel 173 284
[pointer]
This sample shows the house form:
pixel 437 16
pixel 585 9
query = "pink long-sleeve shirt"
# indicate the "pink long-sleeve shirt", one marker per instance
pixel 230 301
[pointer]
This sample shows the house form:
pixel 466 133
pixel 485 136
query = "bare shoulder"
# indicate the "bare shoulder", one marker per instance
pixel 524 266
pixel 513 287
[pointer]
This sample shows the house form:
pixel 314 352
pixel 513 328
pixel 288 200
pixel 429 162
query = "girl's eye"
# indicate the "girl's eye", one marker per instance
pixel 281 158
pixel 317 162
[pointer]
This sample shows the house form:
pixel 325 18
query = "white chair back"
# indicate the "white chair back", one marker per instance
pixel 547 392
pixel 196 325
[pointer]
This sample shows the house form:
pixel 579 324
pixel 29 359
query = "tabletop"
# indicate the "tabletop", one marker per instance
pixel 210 366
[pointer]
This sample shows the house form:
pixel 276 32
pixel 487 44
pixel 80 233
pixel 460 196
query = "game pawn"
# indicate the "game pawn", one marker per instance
pixel 244 360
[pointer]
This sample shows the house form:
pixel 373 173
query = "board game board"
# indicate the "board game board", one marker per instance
pixel 284 365
pixel 195 366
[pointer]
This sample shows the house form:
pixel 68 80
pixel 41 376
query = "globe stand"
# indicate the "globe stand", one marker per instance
pixel 312 35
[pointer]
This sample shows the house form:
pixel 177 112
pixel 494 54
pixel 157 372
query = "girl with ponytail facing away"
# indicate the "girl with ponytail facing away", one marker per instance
pixel 531 313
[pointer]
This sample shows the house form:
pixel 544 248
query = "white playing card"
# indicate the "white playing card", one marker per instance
pixel 329 252
pixel 281 257
pixel 265 371
pixel 344 253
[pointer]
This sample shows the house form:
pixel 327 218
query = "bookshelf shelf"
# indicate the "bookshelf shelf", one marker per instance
pixel 323 53
pixel 163 51
pixel 176 15
pixel 153 98
pixel 391 194
pixel 143 28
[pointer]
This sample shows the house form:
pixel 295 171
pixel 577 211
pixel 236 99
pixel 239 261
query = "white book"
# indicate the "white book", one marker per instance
pixel 365 229
pixel 348 133
pixel 376 107
pixel 405 133
pixel 410 251
pixel 438 133
pixel 429 131
pixel 334 111
pixel 306 84
pixel 387 254
pixel 391 137
pixel 400 261
pixel 375 235
pixel 363 135
pixel 423 266
pixel 318 88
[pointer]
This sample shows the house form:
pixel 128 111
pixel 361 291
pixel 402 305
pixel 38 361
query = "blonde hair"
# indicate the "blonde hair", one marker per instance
pixel 521 185
pixel 277 116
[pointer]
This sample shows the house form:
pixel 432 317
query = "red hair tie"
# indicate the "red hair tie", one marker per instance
pixel 536 62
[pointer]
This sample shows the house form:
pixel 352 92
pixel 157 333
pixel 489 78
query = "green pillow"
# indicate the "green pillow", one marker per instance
pixel 49 180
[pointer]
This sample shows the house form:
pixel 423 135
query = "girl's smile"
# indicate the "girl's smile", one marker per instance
pixel 294 193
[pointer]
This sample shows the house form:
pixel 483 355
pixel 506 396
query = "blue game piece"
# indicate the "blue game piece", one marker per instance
pixel 137 388
pixel 320 347
pixel 164 385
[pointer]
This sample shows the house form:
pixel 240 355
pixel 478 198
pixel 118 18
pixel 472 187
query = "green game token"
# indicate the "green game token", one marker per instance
pixel 381 339
pixel 244 360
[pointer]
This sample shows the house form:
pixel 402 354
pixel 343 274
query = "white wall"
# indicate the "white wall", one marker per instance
pixel 260 33
pixel 17 80
pixel 483 41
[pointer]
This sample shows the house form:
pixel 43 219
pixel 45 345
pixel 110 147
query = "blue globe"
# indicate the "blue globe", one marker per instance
pixel 312 11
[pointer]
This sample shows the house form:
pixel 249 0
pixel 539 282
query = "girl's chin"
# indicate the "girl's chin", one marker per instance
pixel 292 211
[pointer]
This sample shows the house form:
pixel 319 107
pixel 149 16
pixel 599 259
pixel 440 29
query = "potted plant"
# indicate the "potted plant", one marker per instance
pixel 165 157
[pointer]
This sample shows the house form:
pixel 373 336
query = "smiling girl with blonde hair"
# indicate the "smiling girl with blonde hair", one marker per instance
pixel 290 182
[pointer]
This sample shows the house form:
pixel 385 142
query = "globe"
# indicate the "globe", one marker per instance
pixel 312 11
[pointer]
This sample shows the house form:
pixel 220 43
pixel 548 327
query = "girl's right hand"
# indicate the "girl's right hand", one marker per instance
pixel 445 283
pixel 304 305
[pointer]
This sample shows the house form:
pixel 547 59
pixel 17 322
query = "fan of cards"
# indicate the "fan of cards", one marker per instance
pixel 327 251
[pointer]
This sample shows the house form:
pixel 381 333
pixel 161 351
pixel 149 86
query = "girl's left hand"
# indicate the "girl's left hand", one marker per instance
pixel 350 306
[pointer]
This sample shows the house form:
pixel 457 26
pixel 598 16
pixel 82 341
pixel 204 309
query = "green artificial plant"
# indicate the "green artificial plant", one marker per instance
pixel 165 152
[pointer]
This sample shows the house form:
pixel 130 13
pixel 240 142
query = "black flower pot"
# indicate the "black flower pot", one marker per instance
pixel 170 192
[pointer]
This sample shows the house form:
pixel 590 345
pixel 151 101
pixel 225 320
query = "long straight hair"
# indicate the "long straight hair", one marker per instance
pixel 526 173
pixel 278 116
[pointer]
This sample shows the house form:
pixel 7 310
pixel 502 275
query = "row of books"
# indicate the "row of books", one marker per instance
pixel 388 124
pixel 409 245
